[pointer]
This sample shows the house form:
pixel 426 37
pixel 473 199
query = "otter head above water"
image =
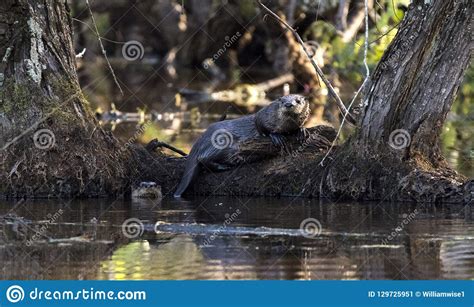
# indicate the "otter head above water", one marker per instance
pixel 283 116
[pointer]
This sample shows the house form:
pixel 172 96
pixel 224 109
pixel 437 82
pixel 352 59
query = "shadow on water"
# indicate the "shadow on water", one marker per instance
pixel 223 238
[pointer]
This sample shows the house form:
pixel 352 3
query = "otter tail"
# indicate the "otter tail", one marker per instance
pixel 190 172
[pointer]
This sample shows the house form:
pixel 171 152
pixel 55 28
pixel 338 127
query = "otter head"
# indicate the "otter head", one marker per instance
pixel 295 104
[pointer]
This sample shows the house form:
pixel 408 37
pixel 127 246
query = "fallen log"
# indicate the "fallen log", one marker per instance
pixel 265 169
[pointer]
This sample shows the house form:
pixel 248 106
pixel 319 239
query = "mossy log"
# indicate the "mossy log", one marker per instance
pixel 266 170
pixel 298 170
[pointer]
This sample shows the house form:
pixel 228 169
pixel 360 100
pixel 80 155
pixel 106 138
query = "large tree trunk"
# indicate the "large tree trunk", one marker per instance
pixel 397 149
pixel 50 144
pixel 416 81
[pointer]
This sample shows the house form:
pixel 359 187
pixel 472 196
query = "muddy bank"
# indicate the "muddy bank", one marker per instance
pixel 344 174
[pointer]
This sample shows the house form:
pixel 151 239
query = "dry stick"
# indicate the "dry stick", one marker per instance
pixel 154 144
pixel 94 32
pixel 367 76
pixel 384 34
pixel 275 82
pixel 102 47
pixel 171 147
pixel 331 90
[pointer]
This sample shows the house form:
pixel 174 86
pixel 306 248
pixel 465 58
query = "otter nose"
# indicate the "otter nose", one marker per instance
pixel 289 104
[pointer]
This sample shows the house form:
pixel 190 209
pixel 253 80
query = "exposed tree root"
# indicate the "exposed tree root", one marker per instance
pixel 64 168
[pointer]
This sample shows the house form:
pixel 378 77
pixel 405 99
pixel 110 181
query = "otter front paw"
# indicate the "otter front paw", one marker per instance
pixel 278 140
pixel 303 134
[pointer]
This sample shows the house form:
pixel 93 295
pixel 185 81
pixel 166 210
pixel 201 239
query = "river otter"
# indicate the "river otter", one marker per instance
pixel 217 148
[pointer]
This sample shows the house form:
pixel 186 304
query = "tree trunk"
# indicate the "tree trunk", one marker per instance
pixel 396 152
pixel 50 144
pixel 420 75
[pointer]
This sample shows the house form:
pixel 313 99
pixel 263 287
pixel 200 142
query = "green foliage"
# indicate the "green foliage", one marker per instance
pixel 347 58
pixel 464 104
pixel 247 9
pixel 102 21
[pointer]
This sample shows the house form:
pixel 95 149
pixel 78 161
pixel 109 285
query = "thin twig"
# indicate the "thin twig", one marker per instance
pixel 366 79
pixel 384 34
pixel 93 32
pixel 331 90
pixel 154 144
pixel 102 47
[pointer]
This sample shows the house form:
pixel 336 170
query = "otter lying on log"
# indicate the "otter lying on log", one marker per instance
pixel 219 148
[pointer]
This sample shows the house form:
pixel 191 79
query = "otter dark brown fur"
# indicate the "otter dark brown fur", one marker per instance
pixel 217 148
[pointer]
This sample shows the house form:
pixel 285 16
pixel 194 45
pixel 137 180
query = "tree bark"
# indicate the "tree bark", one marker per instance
pixel 50 144
pixel 419 75
pixel 397 149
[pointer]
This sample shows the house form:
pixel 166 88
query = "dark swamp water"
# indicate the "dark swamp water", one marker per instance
pixel 222 238
pixel 230 238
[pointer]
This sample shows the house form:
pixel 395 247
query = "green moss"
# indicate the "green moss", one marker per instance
pixel 63 87
pixel 69 93
pixel 16 98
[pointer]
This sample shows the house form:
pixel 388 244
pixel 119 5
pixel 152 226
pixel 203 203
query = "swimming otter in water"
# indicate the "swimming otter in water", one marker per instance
pixel 217 148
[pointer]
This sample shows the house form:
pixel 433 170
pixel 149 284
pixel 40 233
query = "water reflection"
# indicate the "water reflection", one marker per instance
pixel 357 241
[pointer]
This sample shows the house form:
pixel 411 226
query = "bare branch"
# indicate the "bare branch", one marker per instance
pixel 331 90
pixel 366 79
pixel 154 144
pixel 102 47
